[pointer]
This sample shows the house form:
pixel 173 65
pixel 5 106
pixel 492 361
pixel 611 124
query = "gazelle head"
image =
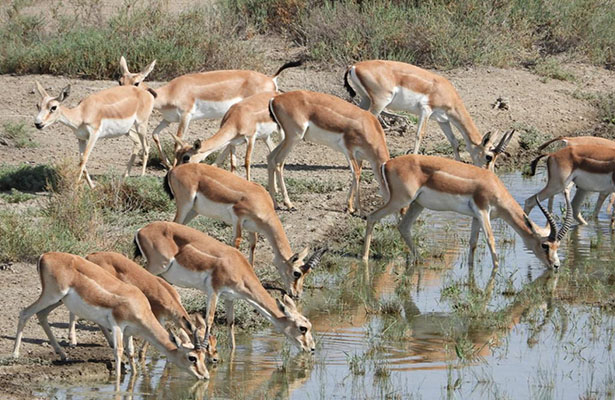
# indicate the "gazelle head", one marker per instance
pixel 190 359
pixel 295 326
pixel 545 248
pixel 133 79
pixel 296 267
pixel 186 153
pixel 211 350
pixel 49 107
pixel 488 151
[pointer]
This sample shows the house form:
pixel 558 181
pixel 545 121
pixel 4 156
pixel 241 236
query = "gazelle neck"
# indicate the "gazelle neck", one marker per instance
pixel 513 214
pixel 279 241
pixel 260 299
pixel 471 135
pixel 70 117
pixel 217 142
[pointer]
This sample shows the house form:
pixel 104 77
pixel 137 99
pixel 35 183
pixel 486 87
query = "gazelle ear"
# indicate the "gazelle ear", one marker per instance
pixel 176 341
pixel 124 66
pixel 197 144
pixel 64 94
pixel 41 90
pixel 281 307
pixel 289 302
pixel 486 139
pixel 147 70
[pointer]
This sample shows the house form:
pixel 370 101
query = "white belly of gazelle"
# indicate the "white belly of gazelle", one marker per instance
pixel 593 182
pixel 439 201
pixel 212 109
pixel 81 308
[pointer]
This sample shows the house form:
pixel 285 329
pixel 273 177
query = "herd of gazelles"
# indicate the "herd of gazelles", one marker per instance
pixel 126 300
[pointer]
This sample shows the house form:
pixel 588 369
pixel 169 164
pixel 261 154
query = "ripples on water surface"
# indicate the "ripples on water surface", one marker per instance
pixel 540 334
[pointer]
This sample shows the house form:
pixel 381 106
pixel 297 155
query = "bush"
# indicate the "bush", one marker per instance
pixel 27 178
pixel 200 39
pixel 19 134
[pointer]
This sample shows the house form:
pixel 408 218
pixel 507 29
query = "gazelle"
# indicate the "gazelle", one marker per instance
pixel 584 140
pixel 441 184
pixel 400 86
pixel 201 95
pixel 163 299
pixel 92 293
pixel 190 258
pixel 590 167
pixel 244 122
pixel 333 122
pixel 105 114
pixel 216 193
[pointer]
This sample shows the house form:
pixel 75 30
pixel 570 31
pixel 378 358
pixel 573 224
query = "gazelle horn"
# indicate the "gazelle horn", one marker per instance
pixel 177 139
pixel 314 260
pixel 269 286
pixel 568 221
pixel 501 147
pixel 550 220
pixel 197 342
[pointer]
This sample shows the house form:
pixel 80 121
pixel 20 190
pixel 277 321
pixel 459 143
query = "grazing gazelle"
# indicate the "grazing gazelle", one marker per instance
pixel 190 258
pixel 163 299
pixel 92 293
pixel 216 193
pixel 244 122
pixel 405 87
pixel 333 122
pixel 590 167
pixel 441 184
pixel 201 95
pixel 105 114
pixel 580 194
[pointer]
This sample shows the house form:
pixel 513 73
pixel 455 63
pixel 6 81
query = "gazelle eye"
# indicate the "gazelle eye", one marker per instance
pixel 186 159
pixel 303 329
pixel 137 83
pixel 192 359
pixel 52 109
pixel 545 246
pixel 489 157
pixel 297 274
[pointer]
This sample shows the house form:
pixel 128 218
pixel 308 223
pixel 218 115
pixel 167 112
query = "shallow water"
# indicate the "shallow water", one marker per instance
pixel 539 336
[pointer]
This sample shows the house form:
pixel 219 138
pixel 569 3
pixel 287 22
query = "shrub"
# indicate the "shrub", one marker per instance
pixel 199 39
pixel 19 133
pixel 27 178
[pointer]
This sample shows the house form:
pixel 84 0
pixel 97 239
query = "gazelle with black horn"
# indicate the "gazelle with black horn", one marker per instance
pixel 201 95
pixel 405 87
pixel 163 298
pixel 216 193
pixel 105 114
pixel 92 293
pixel 244 122
pixel 328 120
pixel 440 184
pixel 190 258
pixel 590 167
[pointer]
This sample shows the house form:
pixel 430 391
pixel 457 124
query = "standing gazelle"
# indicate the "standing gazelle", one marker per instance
pixel 92 293
pixel 244 122
pixel 580 194
pixel 216 193
pixel 163 299
pixel 105 114
pixel 201 95
pixel 190 258
pixel 400 86
pixel 440 184
pixel 333 122
pixel 590 167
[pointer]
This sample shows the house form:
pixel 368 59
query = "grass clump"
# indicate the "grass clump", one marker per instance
pixel 302 186
pixel 606 112
pixel 19 134
pixel 15 196
pixel 552 68
pixel 90 47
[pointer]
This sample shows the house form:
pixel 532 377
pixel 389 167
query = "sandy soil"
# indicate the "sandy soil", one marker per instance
pixel 549 106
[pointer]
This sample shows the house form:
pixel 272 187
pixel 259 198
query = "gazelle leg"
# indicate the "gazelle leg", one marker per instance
pixel 156 136
pixel 184 212
pixel 475 230
pixel 602 196
pixel 423 117
pixel 212 300
pixel 486 226
pixel 577 202
pixel 405 226
pixel 450 135
pixel 275 165
pixel 130 352
pixel 86 153
pixel 237 233
pixel 107 334
pixel 136 147
pixel 233 157
pixel 222 156
pixel 389 208
pixel 252 238
pixel 248 158
pixel 82 145
pixel 142 132
pixel 72 321
pixel 355 169
pixel 118 346
pixel 42 306
pixel 184 122
pixel 230 321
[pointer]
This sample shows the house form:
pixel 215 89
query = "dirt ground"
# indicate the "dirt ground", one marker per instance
pixel 551 106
